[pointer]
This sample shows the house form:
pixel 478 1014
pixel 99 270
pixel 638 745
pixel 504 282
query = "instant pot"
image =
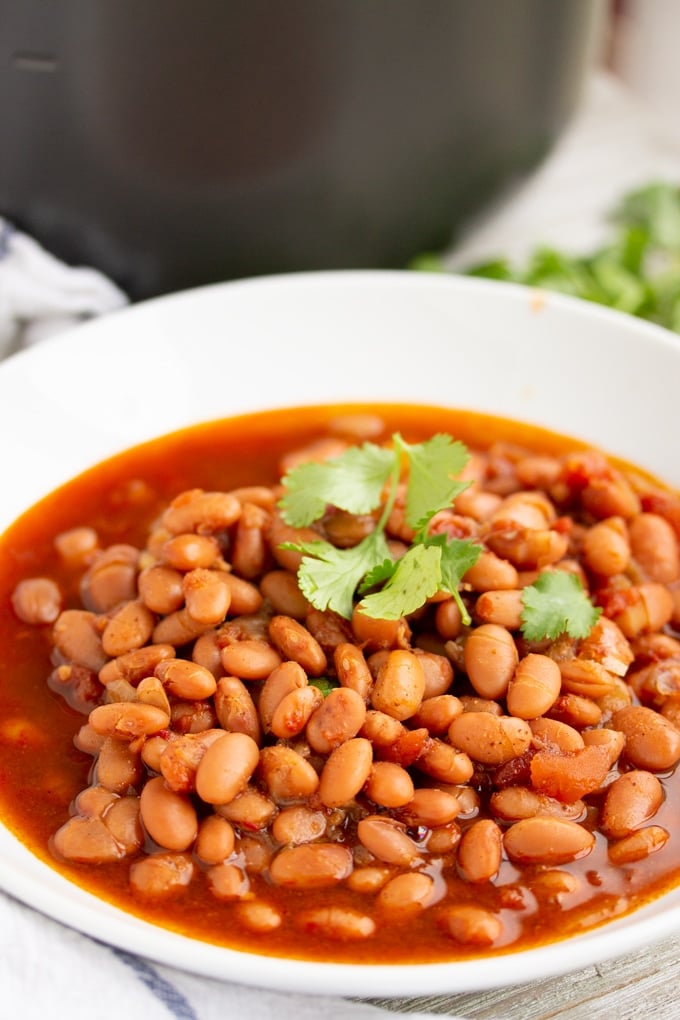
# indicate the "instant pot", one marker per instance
pixel 171 144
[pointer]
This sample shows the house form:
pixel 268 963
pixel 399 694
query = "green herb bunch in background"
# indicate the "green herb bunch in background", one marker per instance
pixel 637 272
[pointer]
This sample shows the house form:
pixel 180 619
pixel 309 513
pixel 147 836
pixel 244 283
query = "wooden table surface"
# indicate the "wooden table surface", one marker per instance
pixel 642 986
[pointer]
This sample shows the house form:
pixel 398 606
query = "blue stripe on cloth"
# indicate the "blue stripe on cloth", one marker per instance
pixel 170 996
pixel 6 231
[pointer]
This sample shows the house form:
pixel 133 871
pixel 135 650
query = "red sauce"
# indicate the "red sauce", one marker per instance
pixel 41 772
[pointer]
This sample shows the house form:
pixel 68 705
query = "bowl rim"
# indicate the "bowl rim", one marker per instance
pixel 40 887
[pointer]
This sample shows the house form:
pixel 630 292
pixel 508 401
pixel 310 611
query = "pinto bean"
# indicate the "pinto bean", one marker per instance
pixel 161 875
pixel 534 687
pixel 86 841
pixel 652 742
pixel 368 879
pixel 638 845
pixel 160 588
pixel 298 824
pixel 250 549
pixel 381 729
pixel 389 785
pixel 295 642
pixel 283 679
pixel 490 657
pixel 548 841
pixel 77 546
pixel 258 916
pixel 186 679
pixel 202 512
pixel 250 659
pixel 294 711
pixel 387 840
pixel 281 588
pixel 611 741
pixel 606 547
pixel 502 607
pixel 168 817
pixel 207 595
pixel 480 851
pixel 123 822
pixel 516 802
pixel 342 923
pixel 128 720
pixel 470 925
pixel 37 600
pixel 189 551
pixel 491 573
pixel 607 645
pixel 405 896
pixel 235 708
pixel 178 628
pixel 430 807
pixel 489 739
pixel 118 765
pixel 576 711
pixel 654 547
pixel 287 775
pixel 444 763
pixel 226 767
pixel 244 597
pixel 250 809
pixel 227 881
pixel 555 735
pixel 528 548
pixel 436 714
pixel 111 578
pixel 338 718
pixel 180 757
pixel 207 652
pixel 631 800
pixel 282 534
pixel 136 664
pixel 215 840
pixel 437 670
pixel 77 638
pixel 448 620
pixel 311 865
pixel 346 771
pixel 375 634
pixel 586 677
pixel 400 685
pixel 352 669
pixel 649 609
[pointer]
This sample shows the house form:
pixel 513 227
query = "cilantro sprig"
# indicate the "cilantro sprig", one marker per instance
pixel 556 603
pixel 365 479
pixel 636 270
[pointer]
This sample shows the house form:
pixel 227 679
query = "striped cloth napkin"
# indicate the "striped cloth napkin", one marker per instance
pixel 40 295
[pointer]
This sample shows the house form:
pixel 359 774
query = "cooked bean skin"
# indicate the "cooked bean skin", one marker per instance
pixel 328 785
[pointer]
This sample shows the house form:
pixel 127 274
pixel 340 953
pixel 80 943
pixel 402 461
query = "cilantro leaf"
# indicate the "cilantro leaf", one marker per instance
pixel 325 684
pixel 416 577
pixel 328 577
pixel 457 558
pixel 365 479
pixel 353 481
pixel 381 573
pixel 556 603
pixel 430 484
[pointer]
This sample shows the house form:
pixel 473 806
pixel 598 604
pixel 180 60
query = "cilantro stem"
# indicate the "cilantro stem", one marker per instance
pixel 395 475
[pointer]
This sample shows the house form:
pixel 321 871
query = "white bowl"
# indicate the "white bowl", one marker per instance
pixel 322 338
